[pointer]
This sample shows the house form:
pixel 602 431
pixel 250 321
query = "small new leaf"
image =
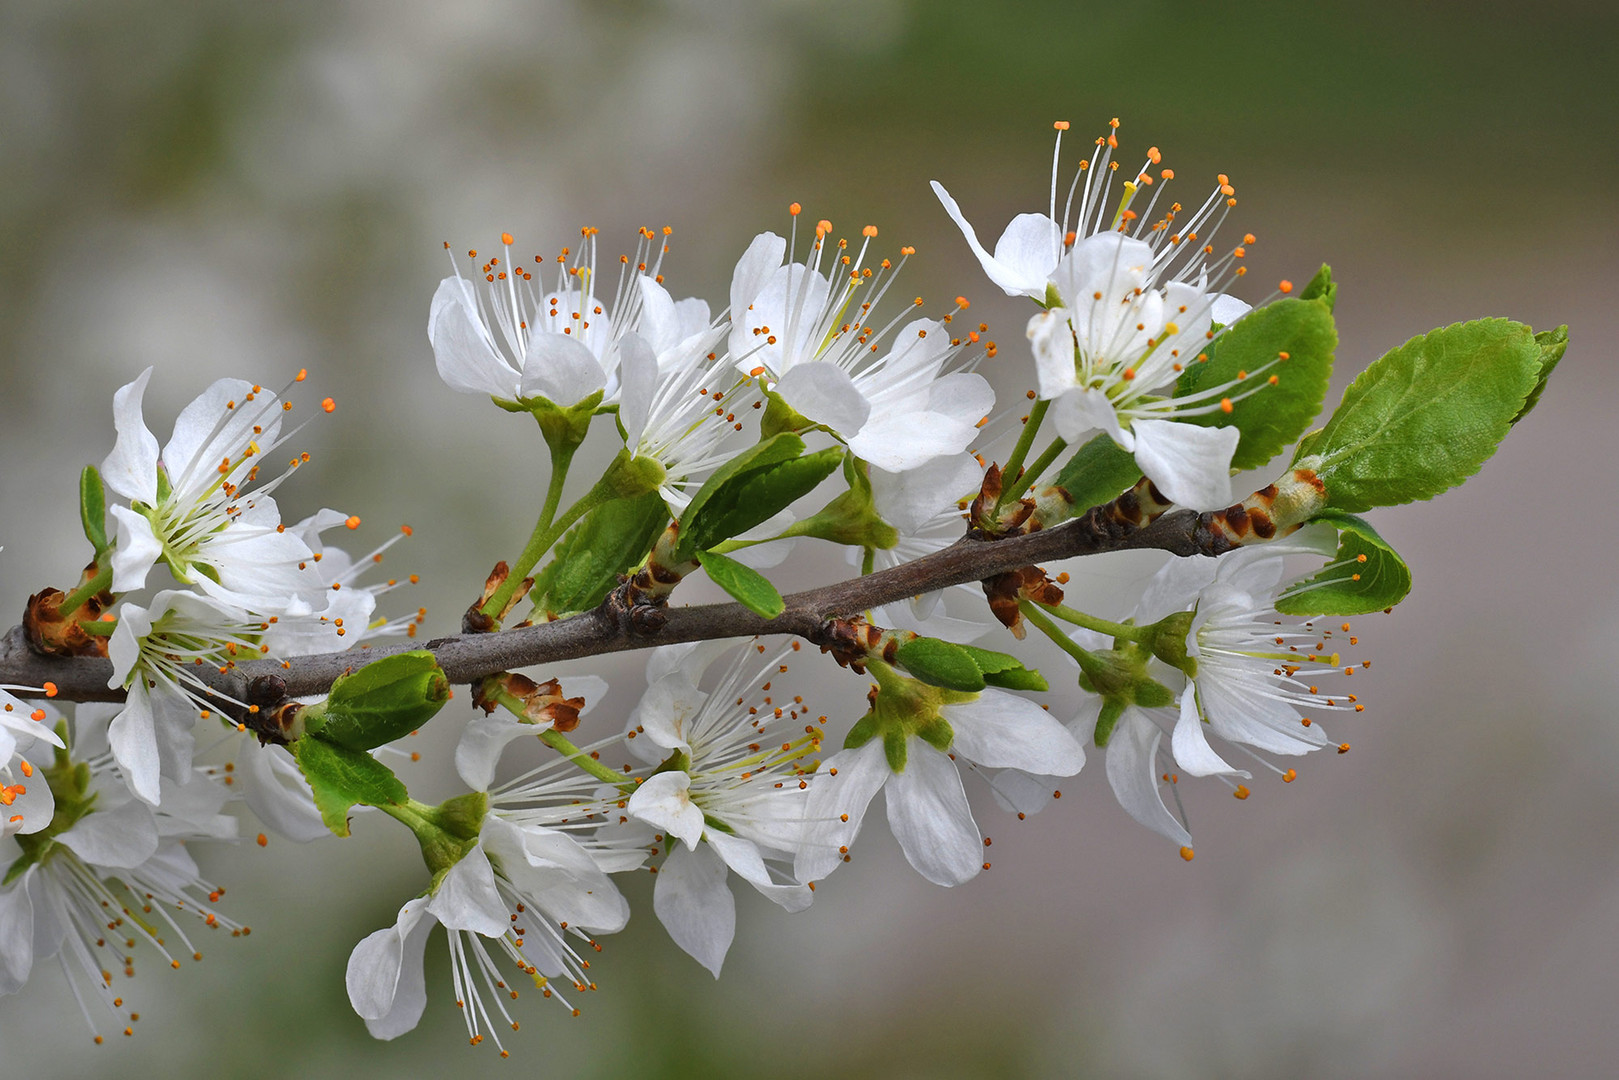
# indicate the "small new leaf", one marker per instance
pixel 341 777
pixel 1322 288
pixel 1097 473
pixel 1291 341
pixel 1425 416
pixel 964 667
pixel 1552 345
pixel 752 488
pixel 93 508
pixel 749 587
pixel 611 540
pixel 383 701
pixel 1365 576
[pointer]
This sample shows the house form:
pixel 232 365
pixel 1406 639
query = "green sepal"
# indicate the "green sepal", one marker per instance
pixel 564 426
pixel 1269 417
pixel 1552 345
pixel 1322 288
pixel 448 831
pixel 852 517
pixel 862 732
pixel 341 777
pixel 93 508
pixel 895 748
pixel 383 701
pixel 780 416
pixel 1152 694
pixel 1098 473
pixel 1112 709
pixel 1384 578
pixel 630 477
pixel 965 668
pixel 746 585
pixel 937 733
pixel 750 488
pixel 1425 416
pixel 1168 642
pixel 587 561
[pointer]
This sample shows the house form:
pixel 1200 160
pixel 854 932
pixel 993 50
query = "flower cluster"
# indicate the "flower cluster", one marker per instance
pixel 815 407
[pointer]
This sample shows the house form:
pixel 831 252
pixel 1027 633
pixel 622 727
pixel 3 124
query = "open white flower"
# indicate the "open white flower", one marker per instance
pixel 881 386
pixel 190 505
pixel 732 793
pixel 1131 301
pixel 517 339
pixel 106 873
pixel 909 747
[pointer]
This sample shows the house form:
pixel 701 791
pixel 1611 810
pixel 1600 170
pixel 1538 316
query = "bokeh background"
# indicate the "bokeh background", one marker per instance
pixel 246 189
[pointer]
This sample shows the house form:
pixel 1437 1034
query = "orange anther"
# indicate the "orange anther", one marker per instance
pixel 794 209
pixel 506 238
pixel 1285 286
pixel 353 522
pixel 869 230
pixel 1060 125
pixel 328 405
pixel 1187 854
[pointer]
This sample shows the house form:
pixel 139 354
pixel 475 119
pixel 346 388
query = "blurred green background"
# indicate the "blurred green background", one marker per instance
pixel 247 189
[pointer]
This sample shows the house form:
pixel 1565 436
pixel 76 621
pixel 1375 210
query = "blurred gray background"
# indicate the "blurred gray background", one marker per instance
pixel 247 189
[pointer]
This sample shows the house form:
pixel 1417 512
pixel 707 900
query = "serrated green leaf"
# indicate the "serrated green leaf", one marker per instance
pixel 752 488
pixel 1270 417
pixel 93 508
pixel 1098 473
pixel 940 663
pixel 383 701
pixel 587 561
pixel 341 777
pixel 1348 586
pixel 965 668
pixel 1322 288
pixel 745 584
pixel 1552 344
pixel 1425 416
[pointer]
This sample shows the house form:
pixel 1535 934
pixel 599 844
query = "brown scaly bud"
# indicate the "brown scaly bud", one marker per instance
pixel 1274 511
pixel 476 621
pixel 641 598
pixel 854 642
pixel 1004 591
pixel 52 633
pixel 1013 520
pixel 543 703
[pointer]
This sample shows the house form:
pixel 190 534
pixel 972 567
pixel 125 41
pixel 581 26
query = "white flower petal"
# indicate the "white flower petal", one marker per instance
pixel 753 269
pixel 16 934
pixel 466 359
pixel 1082 409
pixel 694 904
pixel 466 897
pixel 664 801
pixel 1227 309
pixel 638 380
pixel 824 393
pixel 1191 747
pixel 560 369
pixel 1051 339
pixel 1132 772
pixel 131 469
pixel 120 836
pixel 1190 464
pixel 384 976
pixel 839 794
pixel 929 816
pixel 1003 730
pixel 1024 256
pixel 133 737
pixel 137 550
pixel 277 793
pixel 482 742
pixel 911 499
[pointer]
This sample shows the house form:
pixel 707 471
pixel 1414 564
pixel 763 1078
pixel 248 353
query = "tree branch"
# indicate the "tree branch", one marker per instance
pixel 465 658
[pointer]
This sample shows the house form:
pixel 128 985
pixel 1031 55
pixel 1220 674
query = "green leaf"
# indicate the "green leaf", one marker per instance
pixel 964 667
pixel 340 777
pixel 589 558
pixel 1552 345
pixel 752 488
pixel 1098 473
pixel 749 587
pixel 93 508
pixel 1425 416
pixel 1270 417
pixel 1322 288
pixel 383 701
pixel 1349 586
